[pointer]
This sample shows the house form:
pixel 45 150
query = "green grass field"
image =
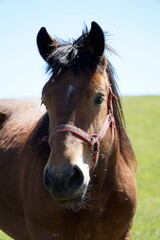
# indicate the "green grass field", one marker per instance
pixel 143 119
pixel 142 116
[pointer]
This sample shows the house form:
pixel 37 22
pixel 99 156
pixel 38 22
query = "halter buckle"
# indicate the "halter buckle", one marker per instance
pixel 95 143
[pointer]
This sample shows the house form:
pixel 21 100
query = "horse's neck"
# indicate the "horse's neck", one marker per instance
pixel 104 177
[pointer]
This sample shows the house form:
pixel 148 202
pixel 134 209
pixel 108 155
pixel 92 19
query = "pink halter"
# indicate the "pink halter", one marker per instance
pixel 93 140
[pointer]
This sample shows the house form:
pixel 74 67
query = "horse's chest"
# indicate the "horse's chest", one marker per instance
pixel 92 226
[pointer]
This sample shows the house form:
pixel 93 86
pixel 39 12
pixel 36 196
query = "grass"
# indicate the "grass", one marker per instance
pixel 143 126
pixel 143 119
pixel 3 236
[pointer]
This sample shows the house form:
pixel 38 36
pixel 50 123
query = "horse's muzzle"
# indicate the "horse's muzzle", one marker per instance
pixel 66 186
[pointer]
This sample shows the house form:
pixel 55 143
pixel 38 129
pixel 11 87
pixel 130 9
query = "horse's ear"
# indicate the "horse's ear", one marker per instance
pixel 96 40
pixel 45 43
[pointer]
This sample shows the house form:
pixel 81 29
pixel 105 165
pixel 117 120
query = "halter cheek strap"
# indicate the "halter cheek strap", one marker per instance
pixel 93 140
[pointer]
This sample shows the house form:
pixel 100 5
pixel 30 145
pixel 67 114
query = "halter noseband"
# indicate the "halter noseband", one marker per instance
pixel 93 140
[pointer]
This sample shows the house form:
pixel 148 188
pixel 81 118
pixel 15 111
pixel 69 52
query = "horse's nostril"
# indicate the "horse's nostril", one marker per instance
pixel 47 180
pixel 77 178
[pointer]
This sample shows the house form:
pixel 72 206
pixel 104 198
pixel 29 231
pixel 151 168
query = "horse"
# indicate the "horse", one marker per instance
pixel 67 168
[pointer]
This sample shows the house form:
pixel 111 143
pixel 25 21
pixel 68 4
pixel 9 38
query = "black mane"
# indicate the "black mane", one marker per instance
pixel 73 54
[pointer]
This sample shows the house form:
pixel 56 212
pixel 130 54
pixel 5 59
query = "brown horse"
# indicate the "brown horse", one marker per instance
pixel 68 173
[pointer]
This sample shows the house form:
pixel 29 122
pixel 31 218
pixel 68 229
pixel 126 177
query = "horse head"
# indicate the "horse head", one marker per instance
pixel 78 99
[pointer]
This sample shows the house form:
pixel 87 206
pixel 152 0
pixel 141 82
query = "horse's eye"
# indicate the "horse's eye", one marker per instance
pixel 98 100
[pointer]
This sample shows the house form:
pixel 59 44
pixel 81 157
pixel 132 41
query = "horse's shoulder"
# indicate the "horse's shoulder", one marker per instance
pixel 17 118
pixel 28 108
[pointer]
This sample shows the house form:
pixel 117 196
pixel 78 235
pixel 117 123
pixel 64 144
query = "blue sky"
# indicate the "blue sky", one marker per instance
pixel 134 28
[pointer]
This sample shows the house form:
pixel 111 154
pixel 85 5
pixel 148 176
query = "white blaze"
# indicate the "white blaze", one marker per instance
pixel 70 90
